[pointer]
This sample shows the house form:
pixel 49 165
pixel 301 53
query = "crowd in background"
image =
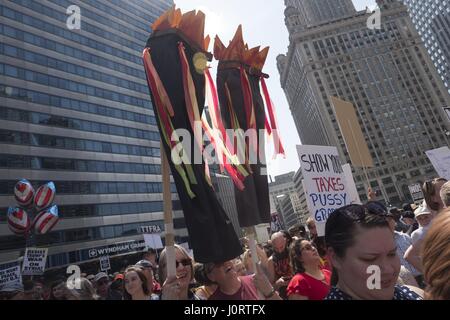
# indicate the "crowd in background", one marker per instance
pixel 409 246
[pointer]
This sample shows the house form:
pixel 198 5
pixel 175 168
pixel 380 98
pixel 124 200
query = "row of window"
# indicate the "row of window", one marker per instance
pixel 87 187
pixel 47 141
pixel 72 104
pixel 139 13
pixel 68 34
pixel 62 17
pixel 112 24
pixel 107 209
pixel 65 66
pixel 69 51
pixel 76 124
pixel 73 86
pixel 84 234
pixel 43 163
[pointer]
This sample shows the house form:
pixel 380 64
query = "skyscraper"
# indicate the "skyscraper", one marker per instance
pixel 388 76
pixel 312 12
pixel 432 21
pixel 284 199
pixel 75 109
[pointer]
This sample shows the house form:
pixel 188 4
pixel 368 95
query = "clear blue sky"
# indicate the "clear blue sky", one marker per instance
pixel 263 24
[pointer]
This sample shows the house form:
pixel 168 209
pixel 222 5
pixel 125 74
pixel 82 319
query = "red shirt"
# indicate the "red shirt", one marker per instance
pixel 305 285
pixel 247 291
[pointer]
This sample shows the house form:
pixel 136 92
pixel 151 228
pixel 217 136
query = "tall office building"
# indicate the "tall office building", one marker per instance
pixel 75 109
pixel 284 199
pixel 224 187
pixel 388 76
pixel 432 21
pixel 311 12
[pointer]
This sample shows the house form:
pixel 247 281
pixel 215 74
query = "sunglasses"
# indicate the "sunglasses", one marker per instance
pixel 357 212
pixel 184 262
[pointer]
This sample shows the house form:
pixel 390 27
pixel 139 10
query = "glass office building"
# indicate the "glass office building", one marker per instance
pixel 75 109
pixel 432 21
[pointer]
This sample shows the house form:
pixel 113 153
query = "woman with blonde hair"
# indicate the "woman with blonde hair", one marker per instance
pixel 436 258
pixel 177 288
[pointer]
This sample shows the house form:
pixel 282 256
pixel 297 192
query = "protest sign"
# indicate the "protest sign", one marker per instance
pixel 324 182
pixel 153 241
pixel 416 191
pixel 440 159
pixel 105 264
pixel 34 261
pixel 350 184
pixel 10 276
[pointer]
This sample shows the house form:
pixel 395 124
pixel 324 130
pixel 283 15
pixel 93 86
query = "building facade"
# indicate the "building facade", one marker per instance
pixel 224 187
pixel 75 109
pixel 432 21
pixel 284 199
pixel 388 76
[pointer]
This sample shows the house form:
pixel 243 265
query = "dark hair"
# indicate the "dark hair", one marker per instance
pixel 429 190
pixel 295 252
pixel 288 237
pixel 53 285
pixel 200 275
pixel 342 226
pixel 140 273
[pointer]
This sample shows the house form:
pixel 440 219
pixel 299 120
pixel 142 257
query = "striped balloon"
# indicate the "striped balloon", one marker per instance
pixel 18 221
pixel 46 220
pixel 23 192
pixel 44 196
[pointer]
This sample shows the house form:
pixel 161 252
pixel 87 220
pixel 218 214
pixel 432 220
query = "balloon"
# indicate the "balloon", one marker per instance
pixel 46 220
pixel 23 192
pixel 18 221
pixel 44 196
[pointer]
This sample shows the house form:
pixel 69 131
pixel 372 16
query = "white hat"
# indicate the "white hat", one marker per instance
pixel 421 210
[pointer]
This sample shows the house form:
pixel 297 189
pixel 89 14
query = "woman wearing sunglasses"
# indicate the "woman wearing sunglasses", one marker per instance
pixel 177 288
pixel 362 251
pixel 310 282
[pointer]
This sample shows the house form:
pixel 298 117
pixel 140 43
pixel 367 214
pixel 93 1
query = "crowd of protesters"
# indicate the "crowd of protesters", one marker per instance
pixel 410 248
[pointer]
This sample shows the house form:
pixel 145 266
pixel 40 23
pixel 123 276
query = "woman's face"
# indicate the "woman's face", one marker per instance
pixel 184 269
pixel 133 284
pixel 223 273
pixel 373 248
pixel 309 254
pixel 58 291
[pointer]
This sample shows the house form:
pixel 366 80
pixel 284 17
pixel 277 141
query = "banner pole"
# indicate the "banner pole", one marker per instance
pixel 168 217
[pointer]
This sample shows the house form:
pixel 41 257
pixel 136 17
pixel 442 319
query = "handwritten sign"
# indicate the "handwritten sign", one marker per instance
pixel 34 261
pixel 324 182
pixel 440 158
pixel 10 276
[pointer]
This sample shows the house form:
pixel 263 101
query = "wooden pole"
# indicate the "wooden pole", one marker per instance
pixel 168 218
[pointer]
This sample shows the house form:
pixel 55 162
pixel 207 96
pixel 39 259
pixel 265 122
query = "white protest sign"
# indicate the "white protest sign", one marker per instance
pixel 262 235
pixel 324 182
pixel 34 261
pixel 350 184
pixel 440 159
pixel 10 276
pixel 416 191
pixel 153 241
pixel 105 264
